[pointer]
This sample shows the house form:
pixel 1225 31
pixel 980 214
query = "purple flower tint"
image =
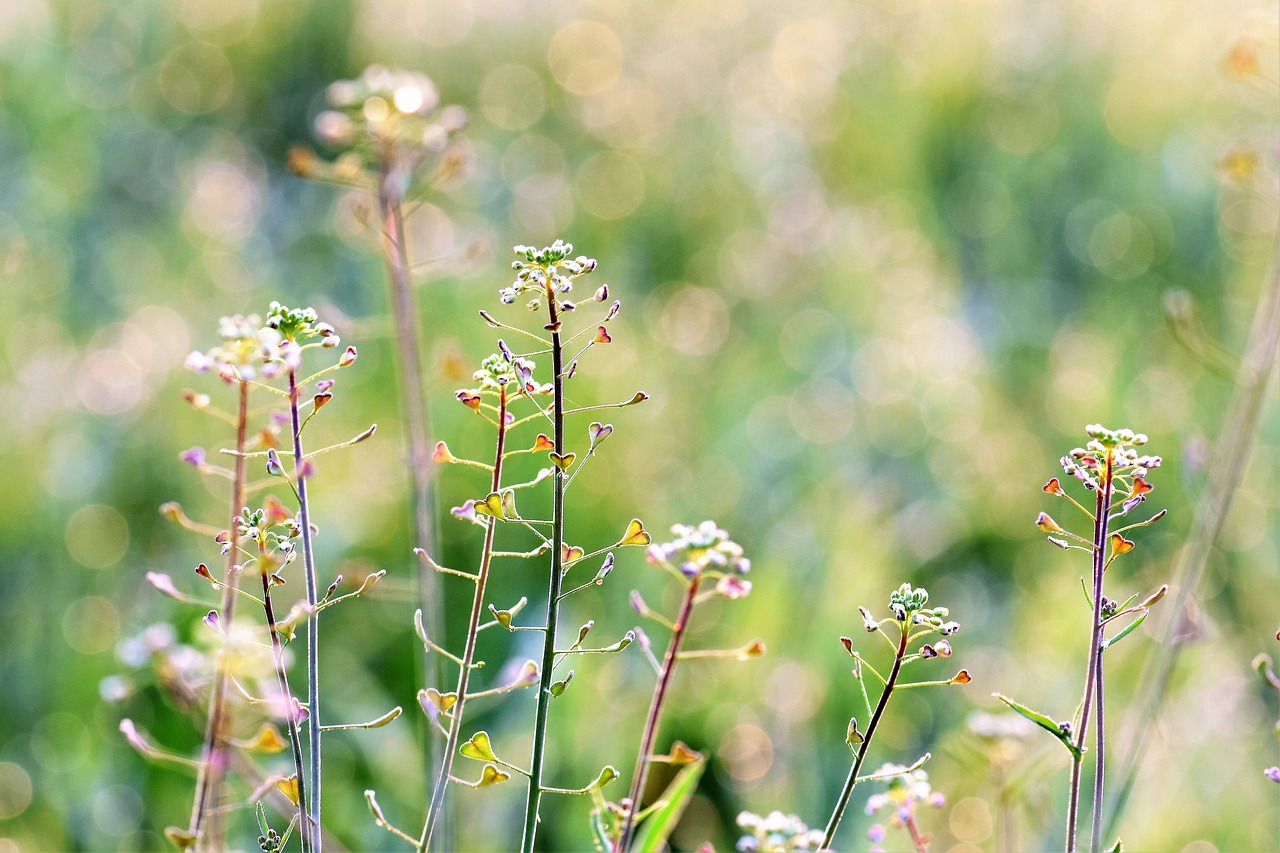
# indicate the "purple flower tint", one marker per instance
pixel 193 456
pixel 876 833
pixel 937 801
pixel 654 554
pixel 690 569
pixel 742 566
pixel 1272 773
pixel 198 362
pixel 732 587
pixel 211 619
pixel 637 603
pixel 466 512
pixel 324 385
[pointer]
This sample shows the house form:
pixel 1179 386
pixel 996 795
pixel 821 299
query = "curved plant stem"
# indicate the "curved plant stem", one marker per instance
pixel 557 576
pixel 295 742
pixel 849 783
pixel 655 715
pixel 473 630
pixel 206 823
pixel 1100 524
pixel 1231 455
pixel 311 823
pixel 413 404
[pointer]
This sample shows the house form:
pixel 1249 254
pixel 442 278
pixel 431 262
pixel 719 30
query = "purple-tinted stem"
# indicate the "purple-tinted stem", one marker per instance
pixel 654 716
pixel 205 824
pixel 1100 528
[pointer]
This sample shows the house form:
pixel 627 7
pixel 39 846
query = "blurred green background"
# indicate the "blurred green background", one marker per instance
pixel 879 262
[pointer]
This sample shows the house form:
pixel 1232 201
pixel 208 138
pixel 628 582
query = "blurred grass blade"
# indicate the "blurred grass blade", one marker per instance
pixel 653 833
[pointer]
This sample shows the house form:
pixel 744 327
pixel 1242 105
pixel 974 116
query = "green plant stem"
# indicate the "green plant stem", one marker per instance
pixel 473 631
pixel 206 823
pixel 311 823
pixel 557 576
pixel 849 783
pixel 1225 474
pixel 413 404
pixel 654 716
pixel 282 682
pixel 1100 524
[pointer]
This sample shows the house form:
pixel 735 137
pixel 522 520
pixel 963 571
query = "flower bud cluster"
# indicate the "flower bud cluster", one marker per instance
pixel 1087 463
pixel 776 833
pixel 299 324
pixel 502 369
pixel 908 605
pixel 545 273
pixel 272 529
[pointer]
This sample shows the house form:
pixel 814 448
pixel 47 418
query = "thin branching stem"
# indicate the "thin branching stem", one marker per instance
pixel 849 783
pixel 654 716
pixel 1100 523
pixel 206 825
pixel 311 822
pixel 473 631
pixel 557 576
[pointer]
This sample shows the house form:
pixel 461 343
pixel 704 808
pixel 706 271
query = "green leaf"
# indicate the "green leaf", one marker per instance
pixel 478 748
pixel 1126 631
pixel 653 833
pixel 1118 847
pixel 1047 723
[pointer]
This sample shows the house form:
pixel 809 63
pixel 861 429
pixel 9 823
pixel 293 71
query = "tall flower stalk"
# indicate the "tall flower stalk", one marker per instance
pixel 296 327
pixel 1111 467
pixel 206 825
pixel 696 554
pixel 496 377
pixel 546 275
pixel 394 138
pixel 505 379
pixel 911 621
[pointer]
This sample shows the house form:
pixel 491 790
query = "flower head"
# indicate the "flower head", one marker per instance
pixel 776 833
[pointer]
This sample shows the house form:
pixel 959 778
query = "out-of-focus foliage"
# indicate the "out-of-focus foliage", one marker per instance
pixel 883 260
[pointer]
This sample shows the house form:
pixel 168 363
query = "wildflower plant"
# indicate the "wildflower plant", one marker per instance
pixel 508 380
pixel 262 541
pixel 396 142
pixel 707 564
pixel 1112 467
pixel 910 622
